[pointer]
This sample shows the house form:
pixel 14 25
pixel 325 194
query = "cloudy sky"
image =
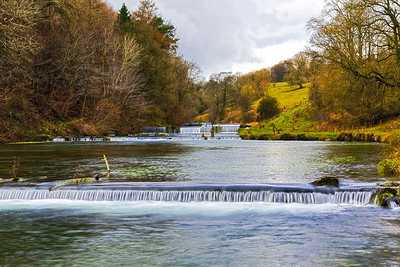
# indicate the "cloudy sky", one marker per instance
pixel 237 35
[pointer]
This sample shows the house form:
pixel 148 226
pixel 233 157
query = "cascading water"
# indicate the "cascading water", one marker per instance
pixel 339 197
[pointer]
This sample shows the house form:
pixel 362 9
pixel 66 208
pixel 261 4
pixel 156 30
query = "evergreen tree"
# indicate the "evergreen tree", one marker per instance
pixel 124 19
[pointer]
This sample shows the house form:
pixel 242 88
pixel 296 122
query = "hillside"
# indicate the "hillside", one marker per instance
pixel 295 122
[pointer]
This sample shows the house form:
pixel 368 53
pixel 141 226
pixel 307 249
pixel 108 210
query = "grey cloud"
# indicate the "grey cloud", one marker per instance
pixel 218 34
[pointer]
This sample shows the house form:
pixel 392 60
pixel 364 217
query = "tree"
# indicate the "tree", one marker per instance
pixel 355 42
pixel 362 37
pixel 298 70
pixel 72 65
pixel 18 47
pixel 221 90
pixel 124 19
pixel 161 66
pixel 267 108
pixel 278 72
pixel 146 12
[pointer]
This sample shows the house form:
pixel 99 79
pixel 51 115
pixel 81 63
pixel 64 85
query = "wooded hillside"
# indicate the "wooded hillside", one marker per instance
pixel 78 67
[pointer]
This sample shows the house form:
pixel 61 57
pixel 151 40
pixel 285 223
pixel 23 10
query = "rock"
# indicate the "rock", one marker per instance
pixel 391 202
pixel 327 181
pixel 97 177
pixel 384 197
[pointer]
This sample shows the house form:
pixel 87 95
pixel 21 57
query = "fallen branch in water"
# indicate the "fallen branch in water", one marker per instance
pixel 107 165
pixel 13 180
pixel 4 181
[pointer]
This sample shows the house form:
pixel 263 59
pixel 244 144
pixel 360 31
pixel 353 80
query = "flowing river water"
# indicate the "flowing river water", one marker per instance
pixel 201 225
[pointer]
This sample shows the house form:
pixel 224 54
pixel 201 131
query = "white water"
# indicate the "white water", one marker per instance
pixel 348 197
pixel 393 204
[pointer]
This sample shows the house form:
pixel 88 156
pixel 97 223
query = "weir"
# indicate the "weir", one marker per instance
pixel 302 194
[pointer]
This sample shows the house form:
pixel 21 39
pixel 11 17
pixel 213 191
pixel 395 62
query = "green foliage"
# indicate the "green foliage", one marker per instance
pixel 279 72
pixel 344 160
pixel 389 167
pixel 124 19
pixel 169 81
pixel 267 108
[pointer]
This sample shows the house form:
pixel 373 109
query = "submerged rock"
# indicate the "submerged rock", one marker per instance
pixel 327 181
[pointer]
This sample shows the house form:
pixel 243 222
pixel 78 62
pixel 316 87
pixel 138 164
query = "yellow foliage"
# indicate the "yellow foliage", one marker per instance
pixel 202 118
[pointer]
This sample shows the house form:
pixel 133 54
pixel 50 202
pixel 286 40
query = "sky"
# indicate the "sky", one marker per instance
pixel 237 35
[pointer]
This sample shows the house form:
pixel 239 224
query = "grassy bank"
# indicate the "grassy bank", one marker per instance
pixel 295 122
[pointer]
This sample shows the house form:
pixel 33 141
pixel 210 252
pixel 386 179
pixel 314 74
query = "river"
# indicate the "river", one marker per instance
pixel 169 233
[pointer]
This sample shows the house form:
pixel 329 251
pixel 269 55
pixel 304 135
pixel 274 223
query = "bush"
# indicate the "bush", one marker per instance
pixel 267 108
pixel 389 167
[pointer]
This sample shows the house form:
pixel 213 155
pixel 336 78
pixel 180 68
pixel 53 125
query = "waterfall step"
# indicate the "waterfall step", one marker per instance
pixel 289 193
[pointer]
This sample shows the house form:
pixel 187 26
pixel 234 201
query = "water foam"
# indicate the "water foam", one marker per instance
pixel 339 197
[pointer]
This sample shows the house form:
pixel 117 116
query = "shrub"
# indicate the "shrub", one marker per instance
pixel 267 108
pixel 389 167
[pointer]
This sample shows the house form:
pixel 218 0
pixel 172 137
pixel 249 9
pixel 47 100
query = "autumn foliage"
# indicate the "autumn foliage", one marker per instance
pixel 95 71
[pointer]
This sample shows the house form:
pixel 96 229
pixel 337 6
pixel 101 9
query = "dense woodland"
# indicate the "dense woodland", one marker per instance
pixel 355 61
pixel 77 67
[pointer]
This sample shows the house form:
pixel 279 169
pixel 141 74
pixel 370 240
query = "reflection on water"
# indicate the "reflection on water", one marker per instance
pixel 44 233
pixel 198 161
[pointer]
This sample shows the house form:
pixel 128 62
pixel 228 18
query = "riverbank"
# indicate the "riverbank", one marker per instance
pixel 347 136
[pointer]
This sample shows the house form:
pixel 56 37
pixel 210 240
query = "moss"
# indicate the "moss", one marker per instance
pixel 391 184
pixel 78 181
pixel 327 181
pixel 75 181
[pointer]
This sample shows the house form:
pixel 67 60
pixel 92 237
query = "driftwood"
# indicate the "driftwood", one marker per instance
pixel 107 165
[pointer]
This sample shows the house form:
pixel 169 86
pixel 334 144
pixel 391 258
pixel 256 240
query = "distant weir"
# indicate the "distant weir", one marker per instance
pixel 353 197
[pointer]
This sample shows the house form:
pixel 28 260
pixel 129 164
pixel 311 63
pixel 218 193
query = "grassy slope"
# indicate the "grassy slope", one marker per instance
pixel 294 121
